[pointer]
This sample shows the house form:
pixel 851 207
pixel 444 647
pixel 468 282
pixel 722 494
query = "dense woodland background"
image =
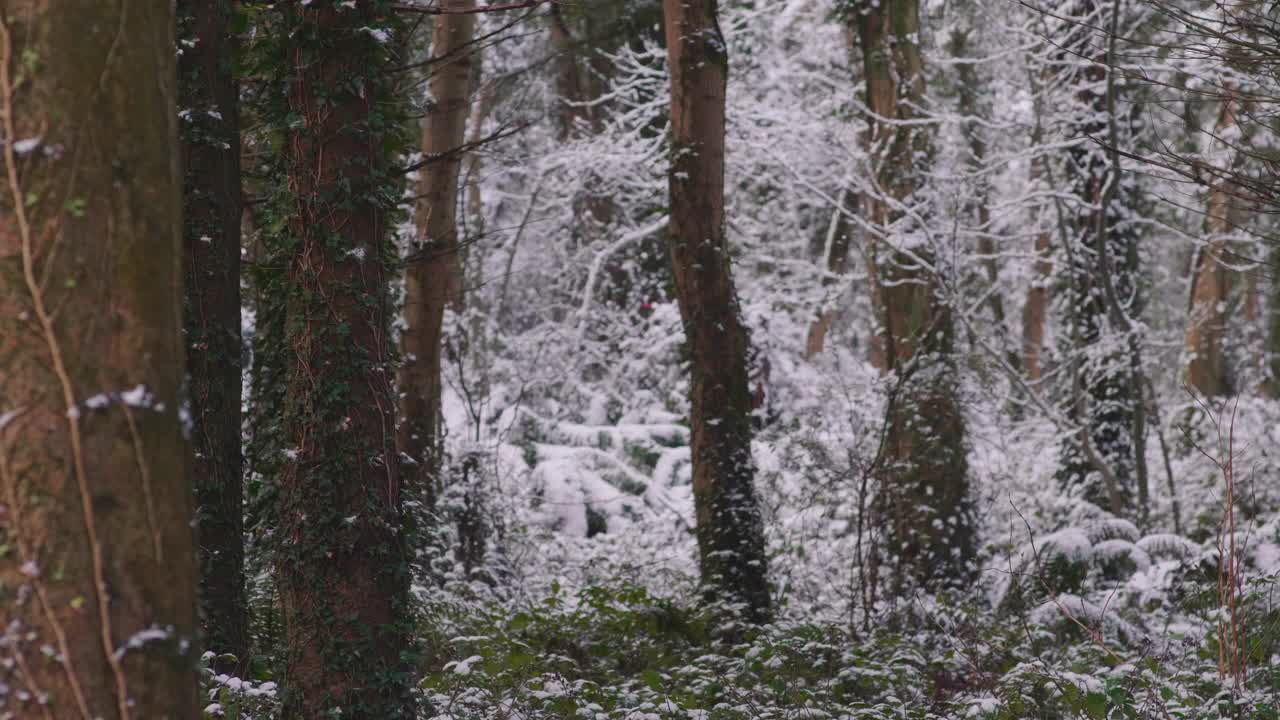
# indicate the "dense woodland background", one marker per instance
pixel 639 359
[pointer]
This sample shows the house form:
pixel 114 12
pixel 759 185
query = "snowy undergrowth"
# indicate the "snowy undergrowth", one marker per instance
pixel 1075 614
pixel 566 381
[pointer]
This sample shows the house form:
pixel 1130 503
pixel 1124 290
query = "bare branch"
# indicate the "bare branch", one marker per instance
pixel 437 10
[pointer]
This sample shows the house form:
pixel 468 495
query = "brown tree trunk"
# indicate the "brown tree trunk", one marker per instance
pixel 487 97
pixel 924 483
pixel 836 260
pixel 433 280
pixel 341 560
pixel 98 584
pixel 211 242
pixel 579 33
pixel 1035 310
pixel 730 535
pixel 1035 307
pixel 1205 336
pixel 571 81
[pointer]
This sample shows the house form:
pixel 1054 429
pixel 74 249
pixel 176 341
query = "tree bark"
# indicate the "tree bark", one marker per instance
pixel 572 84
pixel 1035 309
pixel 211 243
pixel 835 251
pixel 581 35
pixel 98 588
pixel 924 478
pixel 970 106
pixel 1272 330
pixel 836 260
pixel 433 281
pixel 1205 337
pixel 1102 269
pixel 729 528
pixel 341 560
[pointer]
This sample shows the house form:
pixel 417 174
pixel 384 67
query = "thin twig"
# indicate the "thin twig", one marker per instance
pixel 437 10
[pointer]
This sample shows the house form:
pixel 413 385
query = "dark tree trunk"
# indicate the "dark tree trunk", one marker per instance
pixel 211 241
pixel 1103 251
pixel 730 534
pixel 341 552
pixel 572 80
pixel 924 477
pixel 98 586
pixel 1272 332
pixel 581 36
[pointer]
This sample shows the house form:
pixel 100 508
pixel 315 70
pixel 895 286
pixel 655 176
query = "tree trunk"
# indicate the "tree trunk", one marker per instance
pixel 211 242
pixel 729 528
pixel 970 106
pixel 340 557
pixel 98 586
pixel 571 81
pixel 487 97
pixel 581 36
pixel 1035 309
pixel 433 280
pixel 924 479
pixel 1272 331
pixel 1207 370
pixel 1101 271
pixel 835 252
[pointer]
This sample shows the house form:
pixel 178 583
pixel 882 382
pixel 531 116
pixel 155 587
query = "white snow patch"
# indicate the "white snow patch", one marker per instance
pixel 142 637
pixel 378 34
pixel 463 667
pixel 24 147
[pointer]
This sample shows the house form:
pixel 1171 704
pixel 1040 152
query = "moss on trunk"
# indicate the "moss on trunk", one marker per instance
pixel 93 463
pixel 923 496
pixel 211 242
pixel 730 536
pixel 340 539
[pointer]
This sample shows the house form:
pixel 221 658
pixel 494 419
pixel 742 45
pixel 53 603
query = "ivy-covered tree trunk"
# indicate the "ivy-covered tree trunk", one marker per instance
pixel 729 528
pixel 211 242
pixel 340 554
pixel 433 280
pixel 924 475
pixel 98 577
pixel 1101 461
